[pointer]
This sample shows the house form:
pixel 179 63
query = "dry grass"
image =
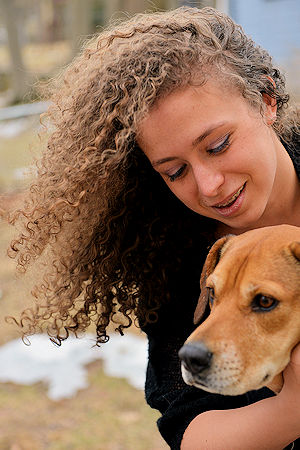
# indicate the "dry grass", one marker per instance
pixel 16 155
pixel 108 415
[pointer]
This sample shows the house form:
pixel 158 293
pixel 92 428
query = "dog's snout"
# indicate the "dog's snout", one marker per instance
pixel 195 356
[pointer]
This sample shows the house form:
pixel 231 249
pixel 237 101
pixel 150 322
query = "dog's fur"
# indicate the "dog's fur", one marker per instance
pixel 248 346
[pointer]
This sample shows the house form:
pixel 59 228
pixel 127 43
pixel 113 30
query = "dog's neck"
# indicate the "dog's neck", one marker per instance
pixel 223 229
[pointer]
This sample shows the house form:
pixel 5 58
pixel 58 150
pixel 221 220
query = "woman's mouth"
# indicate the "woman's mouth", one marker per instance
pixel 232 204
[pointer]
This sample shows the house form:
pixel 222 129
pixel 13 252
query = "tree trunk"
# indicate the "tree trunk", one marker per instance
pixel 19 75
pixel 135 6
pixel 80 14
pixel 115 8
pixel 171 4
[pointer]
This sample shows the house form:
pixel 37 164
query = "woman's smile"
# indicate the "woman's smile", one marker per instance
pixel 232 204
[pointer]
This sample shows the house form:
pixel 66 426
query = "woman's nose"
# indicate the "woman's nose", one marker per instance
pixel 208 180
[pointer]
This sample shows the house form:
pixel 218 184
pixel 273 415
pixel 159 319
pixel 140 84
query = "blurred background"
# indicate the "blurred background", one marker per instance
pixel 37 39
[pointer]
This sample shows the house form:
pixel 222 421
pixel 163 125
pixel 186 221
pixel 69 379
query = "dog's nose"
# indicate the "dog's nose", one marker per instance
pixel 195 356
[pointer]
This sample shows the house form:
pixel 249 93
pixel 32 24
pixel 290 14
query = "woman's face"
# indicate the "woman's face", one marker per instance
pixel 218 155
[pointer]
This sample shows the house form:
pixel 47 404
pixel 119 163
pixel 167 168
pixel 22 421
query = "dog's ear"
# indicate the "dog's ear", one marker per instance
pixel 294 248
pixel 211 261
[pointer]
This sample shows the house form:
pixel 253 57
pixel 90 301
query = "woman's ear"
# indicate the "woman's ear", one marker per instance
pixel 270 104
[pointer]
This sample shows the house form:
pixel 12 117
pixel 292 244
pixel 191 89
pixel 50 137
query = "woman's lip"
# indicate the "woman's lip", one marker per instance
pixel 226 200
pixel 233 207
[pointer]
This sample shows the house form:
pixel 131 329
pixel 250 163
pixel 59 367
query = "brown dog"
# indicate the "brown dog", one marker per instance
pixel 252 282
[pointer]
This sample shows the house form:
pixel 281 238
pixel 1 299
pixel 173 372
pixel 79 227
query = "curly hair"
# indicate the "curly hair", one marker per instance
pixel 106 221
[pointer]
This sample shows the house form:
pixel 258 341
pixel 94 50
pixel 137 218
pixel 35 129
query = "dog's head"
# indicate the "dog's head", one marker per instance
pixel 252 284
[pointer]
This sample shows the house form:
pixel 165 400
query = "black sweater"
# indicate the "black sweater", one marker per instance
pixel 165 390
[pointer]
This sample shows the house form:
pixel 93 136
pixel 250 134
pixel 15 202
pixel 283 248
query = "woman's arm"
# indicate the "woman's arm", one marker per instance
pixel 270 424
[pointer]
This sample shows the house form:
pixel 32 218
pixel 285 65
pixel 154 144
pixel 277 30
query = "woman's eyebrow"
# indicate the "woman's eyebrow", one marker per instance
pixel 194 143
pixel 207 133
pixel 163 160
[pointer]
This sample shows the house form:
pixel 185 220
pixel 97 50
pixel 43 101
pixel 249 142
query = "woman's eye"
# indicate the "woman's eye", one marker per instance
pixel 225 143
pixel 177 174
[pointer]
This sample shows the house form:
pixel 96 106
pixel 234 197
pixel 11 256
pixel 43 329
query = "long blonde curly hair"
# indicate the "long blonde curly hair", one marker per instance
pixel 105 219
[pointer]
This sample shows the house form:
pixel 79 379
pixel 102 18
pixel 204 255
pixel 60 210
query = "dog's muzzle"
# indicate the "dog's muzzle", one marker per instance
pixel 213 371
pixel 195 357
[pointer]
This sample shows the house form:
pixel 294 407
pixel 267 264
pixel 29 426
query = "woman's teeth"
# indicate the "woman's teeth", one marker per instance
pixel 232 199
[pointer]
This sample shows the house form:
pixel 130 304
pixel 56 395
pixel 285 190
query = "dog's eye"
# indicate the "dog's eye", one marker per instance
pixel 211 295
pixel 264 303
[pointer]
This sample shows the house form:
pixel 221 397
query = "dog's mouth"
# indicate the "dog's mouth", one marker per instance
pixel 218 387
pixel 266 378
pixel 193 379
pixel 196 380
pixel 199 383
pixel 206 385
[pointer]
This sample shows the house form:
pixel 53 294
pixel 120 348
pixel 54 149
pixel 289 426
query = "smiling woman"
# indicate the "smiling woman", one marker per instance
pixel 206 142
pixel 183 103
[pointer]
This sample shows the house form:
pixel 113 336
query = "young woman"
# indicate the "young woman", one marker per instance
pixel 167 132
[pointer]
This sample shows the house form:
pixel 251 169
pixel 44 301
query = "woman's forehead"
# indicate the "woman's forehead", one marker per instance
pixel 187 117
pixel 208 99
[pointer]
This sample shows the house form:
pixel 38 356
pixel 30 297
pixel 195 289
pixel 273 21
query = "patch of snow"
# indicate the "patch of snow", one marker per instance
pixel 23 110
pixel 63 368
pixel 12 128
pixel 20 173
